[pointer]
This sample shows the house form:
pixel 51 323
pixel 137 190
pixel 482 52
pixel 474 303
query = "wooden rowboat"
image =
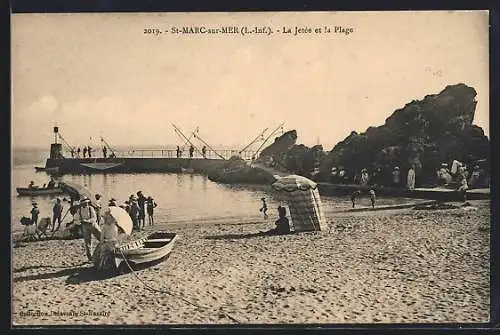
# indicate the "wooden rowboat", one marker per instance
pixel 154 247
pixel 38 191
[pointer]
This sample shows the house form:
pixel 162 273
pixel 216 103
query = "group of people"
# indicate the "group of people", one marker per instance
pixel 88 218
pixel 339 175
pixel 137 206
pixel 87 151
pixel 191 152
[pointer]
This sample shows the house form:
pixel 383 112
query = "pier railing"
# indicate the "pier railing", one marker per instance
pixel 167 153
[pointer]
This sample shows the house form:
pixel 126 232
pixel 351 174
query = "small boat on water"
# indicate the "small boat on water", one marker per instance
pixel 151 248
pixel 187 170
pixel 101 166
pixel 38 191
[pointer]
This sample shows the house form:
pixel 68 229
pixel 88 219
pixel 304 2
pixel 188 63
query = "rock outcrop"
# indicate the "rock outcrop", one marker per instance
pixel 424 133
pixel 237 171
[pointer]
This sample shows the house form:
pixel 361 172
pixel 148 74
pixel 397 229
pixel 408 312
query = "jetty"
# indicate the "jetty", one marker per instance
pixel 67 160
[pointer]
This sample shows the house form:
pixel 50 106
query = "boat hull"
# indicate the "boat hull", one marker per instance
pixel 152 248
pixel 38 191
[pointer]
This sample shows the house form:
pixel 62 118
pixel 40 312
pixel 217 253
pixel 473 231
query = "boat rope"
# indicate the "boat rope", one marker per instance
pixel 170 293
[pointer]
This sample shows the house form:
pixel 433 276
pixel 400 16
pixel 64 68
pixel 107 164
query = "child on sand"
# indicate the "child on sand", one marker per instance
pixel 263 209
pixel 150 205
pixel 34 214
pixel 372 197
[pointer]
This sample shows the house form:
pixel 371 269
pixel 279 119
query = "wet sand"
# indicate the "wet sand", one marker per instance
pixel 397 266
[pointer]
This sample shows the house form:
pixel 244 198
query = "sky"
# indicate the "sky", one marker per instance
pixel 99 75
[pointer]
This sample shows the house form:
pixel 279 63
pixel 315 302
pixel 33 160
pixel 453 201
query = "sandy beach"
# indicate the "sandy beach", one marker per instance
pixel 398 266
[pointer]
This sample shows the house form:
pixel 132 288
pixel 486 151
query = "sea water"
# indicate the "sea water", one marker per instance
pixel 181 198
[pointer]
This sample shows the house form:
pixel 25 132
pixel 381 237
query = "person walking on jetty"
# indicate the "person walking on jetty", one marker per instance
pixel 178 152
pixel 57 210
pixel 396 177
pixel 150 206
pixel 204 151
pixel 78 150
pixel 191 151
pixel 263 209
pixel 84 152
pixel 89 150
pixel 354 196
pixel 35 212
pixel 87 218
pixel 104 152
pixel 410 181
pixel 141 202
pixel 372 197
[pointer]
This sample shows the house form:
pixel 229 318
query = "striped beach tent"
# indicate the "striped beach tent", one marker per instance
pixel 304 202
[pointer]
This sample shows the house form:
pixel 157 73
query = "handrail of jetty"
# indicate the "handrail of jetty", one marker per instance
pixel 168 153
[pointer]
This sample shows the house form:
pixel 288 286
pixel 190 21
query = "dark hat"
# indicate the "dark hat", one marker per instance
pixel 139 192
pixel 150 198
pixel 262 198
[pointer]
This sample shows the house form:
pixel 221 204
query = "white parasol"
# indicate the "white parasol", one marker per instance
pixel 122 219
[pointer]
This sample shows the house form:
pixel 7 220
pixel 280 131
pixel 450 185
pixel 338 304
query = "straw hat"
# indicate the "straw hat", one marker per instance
pixel 84 200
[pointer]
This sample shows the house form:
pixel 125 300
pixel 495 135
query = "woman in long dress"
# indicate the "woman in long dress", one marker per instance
pixel 104 254
pixel 411 178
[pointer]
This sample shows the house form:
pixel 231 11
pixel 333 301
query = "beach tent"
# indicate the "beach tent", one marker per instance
pixel 304 202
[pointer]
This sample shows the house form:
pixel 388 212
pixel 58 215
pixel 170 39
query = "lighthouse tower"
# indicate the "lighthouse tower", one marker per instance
pixel 56 148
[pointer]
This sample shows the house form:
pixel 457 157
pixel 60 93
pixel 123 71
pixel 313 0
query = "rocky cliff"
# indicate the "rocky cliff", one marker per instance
pixel 425 133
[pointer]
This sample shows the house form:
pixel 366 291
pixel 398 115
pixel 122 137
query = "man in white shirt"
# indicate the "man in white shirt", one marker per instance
pixel 87 217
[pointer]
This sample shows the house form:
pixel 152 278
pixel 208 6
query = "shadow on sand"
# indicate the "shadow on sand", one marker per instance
pixel 243 236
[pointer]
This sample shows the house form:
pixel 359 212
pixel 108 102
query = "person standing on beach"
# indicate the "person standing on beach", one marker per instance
pixel 372 197
pixel 463 188
pixel 354 196
pixel 150 206
pixel 141 202
pixel 87 218
pixel 134 212
pixel 35 212
pixel 263 209
pixel 410 182
pixel 57 213
pixel 97 207
pixel 396 177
